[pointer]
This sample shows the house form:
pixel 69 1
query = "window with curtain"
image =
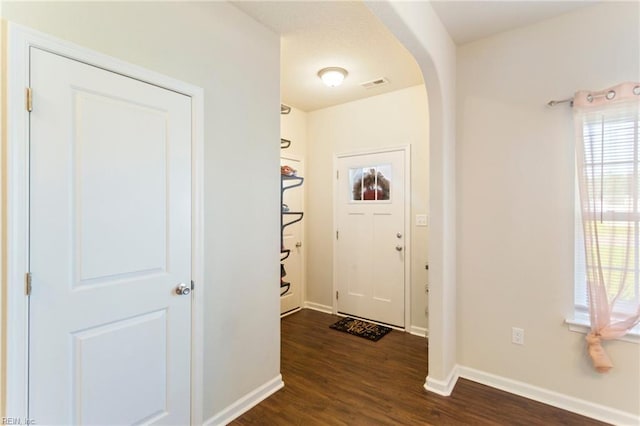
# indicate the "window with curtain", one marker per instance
pixel 608 236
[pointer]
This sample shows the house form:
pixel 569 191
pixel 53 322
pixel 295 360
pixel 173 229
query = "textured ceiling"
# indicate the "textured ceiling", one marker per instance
pixel 322 34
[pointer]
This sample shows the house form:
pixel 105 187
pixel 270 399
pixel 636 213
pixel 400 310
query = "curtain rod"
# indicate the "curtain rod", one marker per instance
pixel 609 94
pixel 553 103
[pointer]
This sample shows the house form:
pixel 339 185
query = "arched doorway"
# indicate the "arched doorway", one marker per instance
pixel 416 25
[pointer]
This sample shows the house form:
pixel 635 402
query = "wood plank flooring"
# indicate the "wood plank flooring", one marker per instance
pixel 333 378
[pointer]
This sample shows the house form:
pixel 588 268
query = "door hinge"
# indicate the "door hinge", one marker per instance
pixel 337 174
pixel 337 295
pixel 193 285
pixel 29 99
pixel 27 283
pixel 337 234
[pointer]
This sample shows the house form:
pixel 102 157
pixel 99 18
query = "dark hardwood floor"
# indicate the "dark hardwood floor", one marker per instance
pixel 333 378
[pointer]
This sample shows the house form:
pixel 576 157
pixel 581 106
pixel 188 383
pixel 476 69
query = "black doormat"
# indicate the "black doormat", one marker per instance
pixel 361 328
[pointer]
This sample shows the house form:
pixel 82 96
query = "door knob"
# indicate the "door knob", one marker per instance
pixel 399 248
pixel 183 289
pixel 399 235
pixel 298 244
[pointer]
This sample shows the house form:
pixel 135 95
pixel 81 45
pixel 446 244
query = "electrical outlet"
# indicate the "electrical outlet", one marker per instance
pixel 517 335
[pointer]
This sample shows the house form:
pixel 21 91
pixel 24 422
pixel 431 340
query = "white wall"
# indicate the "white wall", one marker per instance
pixel 392 119
pixel 236 60
pixel 3 231
pixel 515 172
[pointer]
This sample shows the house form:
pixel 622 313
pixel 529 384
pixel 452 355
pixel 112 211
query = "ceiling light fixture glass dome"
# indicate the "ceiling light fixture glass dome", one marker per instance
pixel 332 76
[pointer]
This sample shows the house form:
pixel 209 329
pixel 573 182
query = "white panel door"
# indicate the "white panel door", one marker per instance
pixel 110 240
pixel 371 236
pixel 292 240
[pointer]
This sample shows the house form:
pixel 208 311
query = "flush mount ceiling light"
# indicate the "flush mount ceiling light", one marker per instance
pixel 332 76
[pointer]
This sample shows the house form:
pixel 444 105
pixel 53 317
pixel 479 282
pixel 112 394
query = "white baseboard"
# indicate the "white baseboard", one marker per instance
pixel 293 311
pixel 442 387
pixel 246 403
pixel 419 331
pixel 318 307
pixel 566 402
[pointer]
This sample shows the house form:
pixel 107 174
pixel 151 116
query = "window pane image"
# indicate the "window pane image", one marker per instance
pixel 617 246
pixel 370 183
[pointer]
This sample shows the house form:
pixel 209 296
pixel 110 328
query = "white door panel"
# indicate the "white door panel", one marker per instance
pixel 370 251
pixel 106 217
pixel 356 234
pixel 110 239
pixel 144 370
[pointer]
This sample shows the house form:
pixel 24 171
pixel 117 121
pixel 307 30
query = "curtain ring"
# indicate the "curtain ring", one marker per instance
pixel 589 98
pixel 636 90
pixel 611 94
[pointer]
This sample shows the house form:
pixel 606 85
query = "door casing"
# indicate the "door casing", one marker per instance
pixel 17 205
pixel 406 149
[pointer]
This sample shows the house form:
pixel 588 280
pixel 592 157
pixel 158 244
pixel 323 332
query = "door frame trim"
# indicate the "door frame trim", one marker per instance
pixel 406 149
pixel 20 40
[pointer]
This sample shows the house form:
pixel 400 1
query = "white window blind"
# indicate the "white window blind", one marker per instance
pixel 611 178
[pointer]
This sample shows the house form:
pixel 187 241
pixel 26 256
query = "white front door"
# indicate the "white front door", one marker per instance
pixel 110 240
pixel 370 245
pixel 292 240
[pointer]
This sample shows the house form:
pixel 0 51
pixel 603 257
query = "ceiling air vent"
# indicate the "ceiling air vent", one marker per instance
pixel 375 83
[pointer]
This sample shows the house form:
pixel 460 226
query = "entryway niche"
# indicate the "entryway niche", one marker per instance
pixel 388 115
pixel 417 27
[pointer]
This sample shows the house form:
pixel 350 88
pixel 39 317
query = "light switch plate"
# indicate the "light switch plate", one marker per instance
pixel 422 220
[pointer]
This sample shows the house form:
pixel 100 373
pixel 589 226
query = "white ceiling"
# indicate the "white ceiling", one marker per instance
pixel 319 34
pixel 468 21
